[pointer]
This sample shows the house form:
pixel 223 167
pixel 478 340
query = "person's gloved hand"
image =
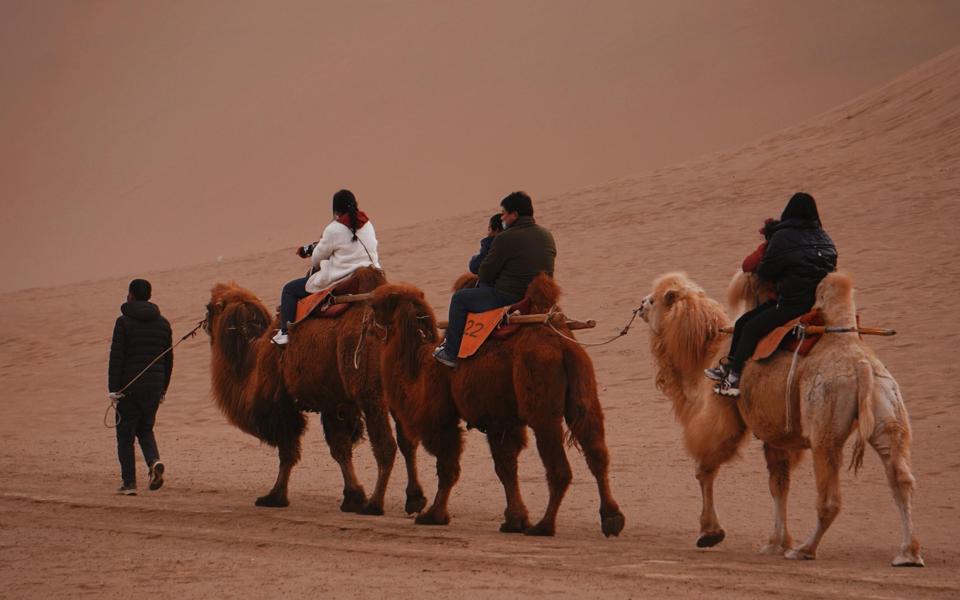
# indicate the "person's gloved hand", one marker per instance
pixel 305 251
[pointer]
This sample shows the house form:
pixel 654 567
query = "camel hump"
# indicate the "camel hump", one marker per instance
pixel 543 293
pixel 835 300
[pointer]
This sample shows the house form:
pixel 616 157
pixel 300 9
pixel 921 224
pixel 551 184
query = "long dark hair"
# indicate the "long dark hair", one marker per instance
pixel 344 202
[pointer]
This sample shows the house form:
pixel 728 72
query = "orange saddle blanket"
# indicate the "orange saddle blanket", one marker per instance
pixel 489 324
pixel 319 305
pixel 783 337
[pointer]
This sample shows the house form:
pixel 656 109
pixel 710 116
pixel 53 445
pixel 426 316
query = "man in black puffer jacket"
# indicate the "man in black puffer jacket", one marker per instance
pixel 139 336
pixel 799 255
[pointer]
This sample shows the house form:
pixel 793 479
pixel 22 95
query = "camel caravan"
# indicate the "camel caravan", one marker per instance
pixel 359 350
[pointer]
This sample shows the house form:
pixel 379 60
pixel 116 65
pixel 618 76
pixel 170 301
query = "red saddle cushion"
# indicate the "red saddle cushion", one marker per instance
pixel 317 305
pixel 505 331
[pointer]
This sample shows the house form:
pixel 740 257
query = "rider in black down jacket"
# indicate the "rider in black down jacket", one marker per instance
pixel 799 255
pixel 139 336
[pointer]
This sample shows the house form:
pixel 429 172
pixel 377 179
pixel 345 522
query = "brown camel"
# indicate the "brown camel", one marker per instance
pixel 264 390
pixel 840 386
pixel 534 378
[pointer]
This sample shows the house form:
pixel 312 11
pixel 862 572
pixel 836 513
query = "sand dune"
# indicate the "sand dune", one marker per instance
pixel 227 122
pixel 885 168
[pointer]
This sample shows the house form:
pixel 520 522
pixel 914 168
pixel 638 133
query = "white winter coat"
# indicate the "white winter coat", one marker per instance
pixel 337 255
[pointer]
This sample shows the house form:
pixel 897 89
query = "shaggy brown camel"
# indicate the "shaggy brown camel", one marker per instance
pixel 534 378
pixel 264 390
pixel 841 385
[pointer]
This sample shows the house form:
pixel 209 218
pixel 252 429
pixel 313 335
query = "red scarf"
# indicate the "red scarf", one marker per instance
pixel 361 219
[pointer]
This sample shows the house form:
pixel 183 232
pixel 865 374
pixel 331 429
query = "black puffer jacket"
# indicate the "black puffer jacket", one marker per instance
pixel 139 336
pixel 798 256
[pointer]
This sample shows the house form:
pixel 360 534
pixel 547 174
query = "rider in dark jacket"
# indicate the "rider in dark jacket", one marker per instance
pixel 798 256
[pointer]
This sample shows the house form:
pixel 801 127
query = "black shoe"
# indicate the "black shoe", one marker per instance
pixel 730 386
pixel 127 489
pixel 718 372
pixel 440 353
pixel 156 475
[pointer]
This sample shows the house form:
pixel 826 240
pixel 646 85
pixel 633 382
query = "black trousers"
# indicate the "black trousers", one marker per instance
pixel 138 413
pixel 755 324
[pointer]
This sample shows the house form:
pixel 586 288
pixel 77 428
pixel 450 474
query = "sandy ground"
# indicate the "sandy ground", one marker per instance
pixel 885 170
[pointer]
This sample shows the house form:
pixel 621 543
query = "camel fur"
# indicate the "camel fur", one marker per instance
pixel 841 386
pixel 533 379
pixel 264 390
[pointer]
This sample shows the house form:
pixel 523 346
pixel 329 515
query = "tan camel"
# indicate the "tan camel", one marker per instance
pixel 534 378
pixel 841 385
pixel 264 390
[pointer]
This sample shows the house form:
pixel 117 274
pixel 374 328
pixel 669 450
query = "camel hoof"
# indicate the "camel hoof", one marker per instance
pixel 708 540
pixel 903 560
pixel 353 501
pixel 371 509
pixel 773 550
pixel 415 503
pixel 799 554
pixel 515 525
pixel 540 529
pixel 428 518
pixel 271 501
pixel 613 525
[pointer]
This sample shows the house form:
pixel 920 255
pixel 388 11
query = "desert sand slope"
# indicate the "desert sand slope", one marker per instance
pixel 885 170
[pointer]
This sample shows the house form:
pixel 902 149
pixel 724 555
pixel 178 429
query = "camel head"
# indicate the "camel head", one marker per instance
pixel 235 317
pixel 684 321
pixel 401 312
pixel 835 300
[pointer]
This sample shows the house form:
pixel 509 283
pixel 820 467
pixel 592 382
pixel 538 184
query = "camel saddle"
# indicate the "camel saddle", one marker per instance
pixel 320 304
pixel 490 324
pixel 784 338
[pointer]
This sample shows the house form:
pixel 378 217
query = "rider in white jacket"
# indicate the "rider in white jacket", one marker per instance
pixel 348 243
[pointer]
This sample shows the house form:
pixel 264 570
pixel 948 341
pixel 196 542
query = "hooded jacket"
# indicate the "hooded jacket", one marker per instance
pixel 800 253
pixel 518 254
pixel 139 336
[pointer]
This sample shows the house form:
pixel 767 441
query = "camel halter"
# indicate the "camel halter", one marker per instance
pixel 119 394
pixel 623 331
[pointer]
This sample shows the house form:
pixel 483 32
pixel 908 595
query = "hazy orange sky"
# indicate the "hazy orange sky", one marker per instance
pixel 138 136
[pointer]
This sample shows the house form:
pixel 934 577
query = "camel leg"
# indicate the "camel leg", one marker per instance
pixel 289 454
pixel 711 533
pixel 339 432
pixel 826 469
pixel 550 446
pixel 416 501
pixel 446 444
pixel 505 446
pixel 779 465
pixel 594 448
pixel 384 452
pixel 892 443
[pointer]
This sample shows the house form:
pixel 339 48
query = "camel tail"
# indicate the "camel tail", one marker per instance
pixel 866 420
pixel 582 410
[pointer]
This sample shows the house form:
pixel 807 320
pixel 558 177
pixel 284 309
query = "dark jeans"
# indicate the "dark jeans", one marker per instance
pixel 137 412
pixel 470 300
pixel 755 324
pixel 292 292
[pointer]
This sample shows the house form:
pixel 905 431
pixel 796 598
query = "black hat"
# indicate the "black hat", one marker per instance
pixel 801 206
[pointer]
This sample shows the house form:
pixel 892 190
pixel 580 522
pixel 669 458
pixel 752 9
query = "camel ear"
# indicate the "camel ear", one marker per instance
pixel 670 297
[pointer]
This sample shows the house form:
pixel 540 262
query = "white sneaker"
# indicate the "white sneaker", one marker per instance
pixel 280 339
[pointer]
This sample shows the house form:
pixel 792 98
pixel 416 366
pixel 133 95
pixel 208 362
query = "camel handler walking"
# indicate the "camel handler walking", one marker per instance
pixel 139 336
pixel 520 253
